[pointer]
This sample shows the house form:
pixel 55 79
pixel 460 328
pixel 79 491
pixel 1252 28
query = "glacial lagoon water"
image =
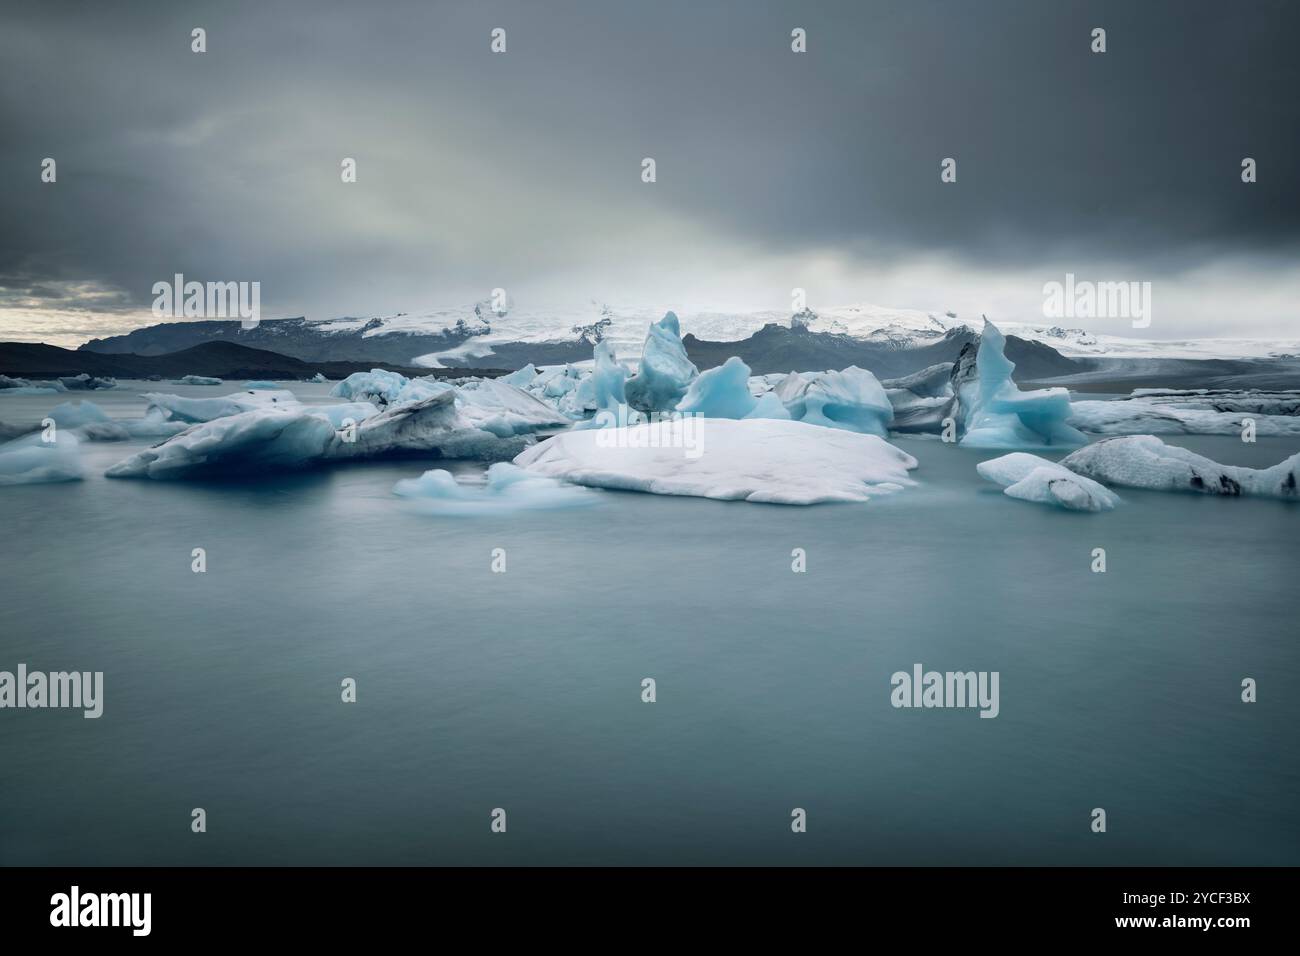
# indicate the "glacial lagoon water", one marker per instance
pixel 522 690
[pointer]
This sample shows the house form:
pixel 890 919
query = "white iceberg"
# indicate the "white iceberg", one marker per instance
pixel 760 460
pixel 197 380
pixel 1141 416
pixel 996 414
pixel 1031 478
pixel 181 409
pixel 33 460
pixel 665 372
pixel 1144 461
pixel 505 410
pixel 507 488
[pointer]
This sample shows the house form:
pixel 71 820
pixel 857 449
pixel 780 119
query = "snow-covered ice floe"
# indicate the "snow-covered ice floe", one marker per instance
pixel 278 438
pixel 1031 478
pixel 506 488
pixel 1144 461
pixel 762 460
pixel 33 460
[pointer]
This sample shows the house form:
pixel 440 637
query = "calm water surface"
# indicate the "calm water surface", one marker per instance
pixel 522 690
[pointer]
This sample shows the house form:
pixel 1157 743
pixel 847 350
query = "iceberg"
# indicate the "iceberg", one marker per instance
pixel 757 460
pixel 284 438
pixel 1144 461
pixel 378 385
pixel 1140 416
pixel 721 392
pixel 32 460
pixel 665 372
pixel 22 386
pixel 1031 478
pixel 261 384
pixel 194 410
pixel 922 400
pixel 507 488
pixel 197 380
pixel 84 382
pixel 318 379
pixel 851 399
pixel 77 413
pixel 521 377
pixel 505 410
pixel 994 413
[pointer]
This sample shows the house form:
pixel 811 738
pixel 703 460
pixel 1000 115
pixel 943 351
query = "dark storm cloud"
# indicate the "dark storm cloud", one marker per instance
pixel 225 165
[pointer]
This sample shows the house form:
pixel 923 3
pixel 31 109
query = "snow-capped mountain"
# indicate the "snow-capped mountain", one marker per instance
pixel 477 334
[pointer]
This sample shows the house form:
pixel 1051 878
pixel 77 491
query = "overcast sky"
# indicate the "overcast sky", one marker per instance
pixel 775 169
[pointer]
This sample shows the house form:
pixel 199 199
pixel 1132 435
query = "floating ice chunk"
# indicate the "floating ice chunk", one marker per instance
pixel 22 386
pixel 1031 478
pixel 752 460
pixel 276 438
pixel 608 379
pixel 665 372
pixel 721 392
pixel 33 460
pixel 319 378
pixel 852 399
pixel 83 382
pixel 505 410
pixel 197 380
pixel 1137 416
pixel 342 415
pixel 76 413
pixel 507 488
pixel 193 410
pixel 768 405
pixel 261 384
pixel 996 414
pixel 378 385
pixel 921 400
pixel 521 377
pixel 154 424
pixel 1144 461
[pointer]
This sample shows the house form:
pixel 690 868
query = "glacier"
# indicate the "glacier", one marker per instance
pixel 1031 478
pixel 507 488
pixel 756 460
pixel 1144 461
